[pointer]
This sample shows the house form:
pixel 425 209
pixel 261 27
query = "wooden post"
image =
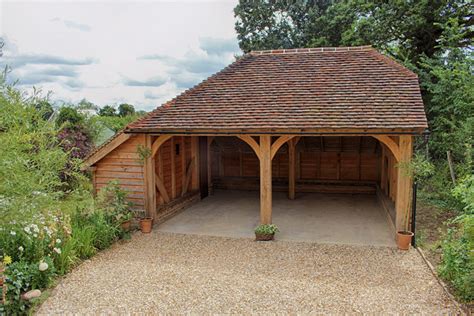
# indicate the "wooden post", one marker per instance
pixel 173 169
pixel 265 180
pixel 149 179
pixel 291 169
pixel 404 184
pixel 383 172
pixel 209 164
pixel 182 152
pixel 195 156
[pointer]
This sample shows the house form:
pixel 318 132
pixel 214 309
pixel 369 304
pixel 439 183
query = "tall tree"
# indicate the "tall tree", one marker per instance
pixel 125 109
pixel 107 111
pixel 405 29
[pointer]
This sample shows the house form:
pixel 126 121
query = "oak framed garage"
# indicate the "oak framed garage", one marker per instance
pixel 301 120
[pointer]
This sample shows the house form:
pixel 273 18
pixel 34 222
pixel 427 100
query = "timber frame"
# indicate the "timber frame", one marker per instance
pixel 400 147
pixel 292 116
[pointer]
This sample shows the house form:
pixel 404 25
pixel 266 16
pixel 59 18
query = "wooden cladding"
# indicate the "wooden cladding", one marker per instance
pixel 317 158
pixel 123 164
pixel 174 169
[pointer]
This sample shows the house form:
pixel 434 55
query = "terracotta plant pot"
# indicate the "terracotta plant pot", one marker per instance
pixel 125 225
pixel 404 239
pixel 146 225
pixel 264 237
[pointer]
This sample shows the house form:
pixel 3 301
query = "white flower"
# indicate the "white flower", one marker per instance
pixel 58 241
pixel 21 248
pixel 27 229
pixel 13 233
pixel 57 250
pixel 35 228
pixel 43 266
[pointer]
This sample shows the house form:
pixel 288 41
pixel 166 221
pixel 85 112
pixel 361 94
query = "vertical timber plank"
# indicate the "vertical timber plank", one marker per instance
pixel 173 168
pixel 265 180
pixel 209 163
pixel 182 151
pixel 404 184
pixel 383 173
pixel 291 169
pixel 149 179
pixel 195 155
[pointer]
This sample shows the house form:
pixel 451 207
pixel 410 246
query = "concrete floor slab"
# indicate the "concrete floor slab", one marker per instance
pixel 313 217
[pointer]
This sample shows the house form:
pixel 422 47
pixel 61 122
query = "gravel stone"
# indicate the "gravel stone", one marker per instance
pixel 176 273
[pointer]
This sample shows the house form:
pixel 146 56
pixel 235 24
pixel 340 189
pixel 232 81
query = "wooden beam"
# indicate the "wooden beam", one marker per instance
pixel 161 188
pixel 182 152
pixel 383 171
pixel 158 142
pixel 265 180
pixel 278 143
pixel 189 175
pixel 159 156
pixel 404 184
pixel 209 164
pixel 107 148
pixel 291 168
pixel 391 144
pixel 195 157
pixel 149 181
pixel 173 169
pixel 252 143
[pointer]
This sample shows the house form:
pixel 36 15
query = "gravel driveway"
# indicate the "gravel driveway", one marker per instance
pixel 173 273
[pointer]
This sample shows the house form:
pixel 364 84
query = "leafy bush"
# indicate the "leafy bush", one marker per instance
pixel 47 225
pixel 457 264
pixel 266 229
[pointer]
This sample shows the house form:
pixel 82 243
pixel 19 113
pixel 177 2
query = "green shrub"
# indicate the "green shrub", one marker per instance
pixel 457 266
pixel 266 229
pixel 83 240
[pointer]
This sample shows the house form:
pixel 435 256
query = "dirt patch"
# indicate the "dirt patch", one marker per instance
pixel 431 226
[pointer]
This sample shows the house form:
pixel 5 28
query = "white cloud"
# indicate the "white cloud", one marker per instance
pixel 90 49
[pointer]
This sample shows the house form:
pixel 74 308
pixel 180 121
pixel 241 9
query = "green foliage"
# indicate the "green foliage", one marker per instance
pixel 46 226
pixel 107 111
pixel 45 108
pixel 125 109
pixel 70 117
pixel 458 260
pixel 143 153
pixel 115 123
pixel 419 167
pixel 404 28
pixel 457 264
pixel 267 229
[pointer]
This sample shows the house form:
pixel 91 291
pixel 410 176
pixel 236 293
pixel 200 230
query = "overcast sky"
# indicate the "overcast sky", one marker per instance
pixel 110 52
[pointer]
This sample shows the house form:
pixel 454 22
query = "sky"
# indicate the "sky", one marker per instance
pixel 111 52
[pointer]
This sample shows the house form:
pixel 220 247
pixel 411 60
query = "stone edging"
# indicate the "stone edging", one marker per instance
pixel 441 282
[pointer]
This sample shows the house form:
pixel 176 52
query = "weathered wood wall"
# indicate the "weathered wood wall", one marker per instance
pixel 123 164
pixel 172 161
pixel 332 159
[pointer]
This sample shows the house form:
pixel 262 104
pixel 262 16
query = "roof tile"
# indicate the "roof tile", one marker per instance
pixel 298 89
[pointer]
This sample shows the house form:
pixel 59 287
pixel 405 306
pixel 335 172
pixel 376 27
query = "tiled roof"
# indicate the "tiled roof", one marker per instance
pixel 342 88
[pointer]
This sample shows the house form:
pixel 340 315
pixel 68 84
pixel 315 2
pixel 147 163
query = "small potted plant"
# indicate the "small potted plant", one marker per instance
pixel 125 220
pixel 404 236
pixel 265 232
pixel 146 224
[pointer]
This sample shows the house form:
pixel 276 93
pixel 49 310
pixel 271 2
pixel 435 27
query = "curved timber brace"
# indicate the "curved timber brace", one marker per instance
pixel 265 152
